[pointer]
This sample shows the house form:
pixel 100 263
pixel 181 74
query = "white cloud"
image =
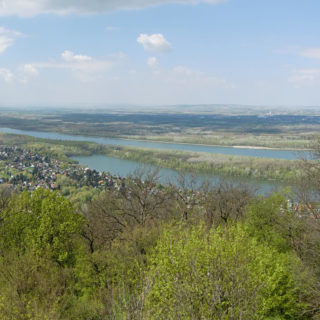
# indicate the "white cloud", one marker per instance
pixel 5 43
pixel 183 71
pixel 304 77
pixel 84 68
pixel 27 72
pixel 34 7
pixel 311 53
pixel 77 62
pixel 21 75
pixel 30 70
pixel 152 62
pixel 69 56
pixel 6 75
pixel 186 76
pixel 183 77
pixel 7 38
pixel 13 33
pixel 155 42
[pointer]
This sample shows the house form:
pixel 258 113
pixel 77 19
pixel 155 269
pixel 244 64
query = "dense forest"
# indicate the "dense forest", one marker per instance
pixel 147 251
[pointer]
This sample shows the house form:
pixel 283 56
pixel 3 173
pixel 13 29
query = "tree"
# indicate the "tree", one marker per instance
pixel 273 222
pixel 142 200
pixel 5 197
pixel 106 221
pixel 40 249
pixel 308 186
pixel 43 222
pixel 223 274
pixel 186 195
pixel 270 221
pixel 225 202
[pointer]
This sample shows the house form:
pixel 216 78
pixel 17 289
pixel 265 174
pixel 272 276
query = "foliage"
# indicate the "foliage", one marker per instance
pixel 220 275
pixel 270 221
pixel 42 222
pixel 135 254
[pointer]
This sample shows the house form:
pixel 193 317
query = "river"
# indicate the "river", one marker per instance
pixel 243 151
pixel 124 167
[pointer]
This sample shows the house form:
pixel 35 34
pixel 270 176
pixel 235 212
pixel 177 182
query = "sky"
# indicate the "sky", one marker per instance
pixel 159 52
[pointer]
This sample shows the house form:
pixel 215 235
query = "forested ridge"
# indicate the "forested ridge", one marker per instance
pixel 148 251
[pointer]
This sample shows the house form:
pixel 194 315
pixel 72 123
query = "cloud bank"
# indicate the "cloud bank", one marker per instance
pixel 35 7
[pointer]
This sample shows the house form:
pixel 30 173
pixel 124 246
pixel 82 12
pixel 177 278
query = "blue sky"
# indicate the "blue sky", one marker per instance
pixel 105 52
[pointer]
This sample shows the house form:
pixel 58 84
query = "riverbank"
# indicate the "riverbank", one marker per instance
pixel 260 142
pixel 249 152
pixel 283 132
pixel 217 164
pixel 194 162
pixel 213 145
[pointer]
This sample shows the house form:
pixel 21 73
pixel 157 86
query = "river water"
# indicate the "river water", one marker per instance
pixel 250 152
pixel 124 167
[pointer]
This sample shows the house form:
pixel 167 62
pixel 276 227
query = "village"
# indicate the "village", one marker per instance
pixel 24 169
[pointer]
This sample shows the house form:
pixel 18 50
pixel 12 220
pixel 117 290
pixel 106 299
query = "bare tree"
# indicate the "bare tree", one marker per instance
pixel 187 194
pixel 5 196
pixel 226 202
pixel 308 184
pixel 143 199
pixel 306 240
pixel 105 221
